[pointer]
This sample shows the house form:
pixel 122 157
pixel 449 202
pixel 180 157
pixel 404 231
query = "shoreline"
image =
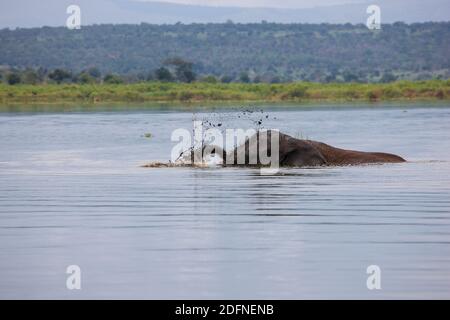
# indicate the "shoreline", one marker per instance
pixel 201 92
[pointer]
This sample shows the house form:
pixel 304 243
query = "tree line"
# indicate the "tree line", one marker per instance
pixel 182 74
pixel 173 70
pixel 229 52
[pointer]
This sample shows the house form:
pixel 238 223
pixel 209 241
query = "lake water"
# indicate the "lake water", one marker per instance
pixel 73 192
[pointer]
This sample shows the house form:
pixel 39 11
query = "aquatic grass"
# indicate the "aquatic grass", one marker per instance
pixel 203 91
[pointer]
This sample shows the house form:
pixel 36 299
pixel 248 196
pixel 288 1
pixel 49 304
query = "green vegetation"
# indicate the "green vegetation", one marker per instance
pixel 174 70
pixel 154 91
pixel 259 52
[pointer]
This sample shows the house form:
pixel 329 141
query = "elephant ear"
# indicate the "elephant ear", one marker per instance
pixel 302 154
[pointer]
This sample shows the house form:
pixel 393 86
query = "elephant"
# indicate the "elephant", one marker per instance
pixel 294 152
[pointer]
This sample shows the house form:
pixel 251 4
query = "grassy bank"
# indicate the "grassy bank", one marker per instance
pixel 200 91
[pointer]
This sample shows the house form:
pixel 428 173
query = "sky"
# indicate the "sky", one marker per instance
pixel 262 3
pixel 34 13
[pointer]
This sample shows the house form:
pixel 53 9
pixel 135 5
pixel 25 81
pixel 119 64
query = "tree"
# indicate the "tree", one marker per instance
pixel 183 69
pixel 163 74
pixel 112 79
pixel 244 77
pixel 184 72
pixel 226 79
pixel 350 77
pixel 59 75
pixel 330 78
pixel 85 78
pixel 94 72
pixel 13 78
pixel 42 73
pixel 388 77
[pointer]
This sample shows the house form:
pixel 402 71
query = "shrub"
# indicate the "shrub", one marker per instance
pixel 209 79
pixel 13 78
pixel 112 79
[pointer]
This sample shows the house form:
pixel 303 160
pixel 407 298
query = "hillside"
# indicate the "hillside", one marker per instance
pixel 264 51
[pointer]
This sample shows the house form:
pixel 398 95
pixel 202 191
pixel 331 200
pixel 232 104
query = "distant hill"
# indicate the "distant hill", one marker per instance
pixel 31 13
pixel 286 51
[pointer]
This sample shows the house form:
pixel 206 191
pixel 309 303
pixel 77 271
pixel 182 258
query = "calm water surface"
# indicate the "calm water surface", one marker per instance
pixel 72 192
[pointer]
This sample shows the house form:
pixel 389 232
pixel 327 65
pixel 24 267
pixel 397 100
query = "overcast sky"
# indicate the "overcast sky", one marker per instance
pixel 263 3
pixel 33 13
